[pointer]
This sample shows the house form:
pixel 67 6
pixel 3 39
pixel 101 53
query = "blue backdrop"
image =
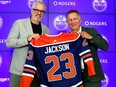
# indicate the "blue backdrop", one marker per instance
pixel 99 14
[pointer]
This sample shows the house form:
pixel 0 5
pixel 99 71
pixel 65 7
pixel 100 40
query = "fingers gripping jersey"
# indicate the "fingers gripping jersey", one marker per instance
pixel 58 58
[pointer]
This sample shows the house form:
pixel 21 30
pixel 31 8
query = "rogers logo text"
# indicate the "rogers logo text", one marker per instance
pixel 56 3
pixel 96 23
pixel 60 23
pixel 99 5
pixel 2 41
pixel 103 61
pixel 4 79
pixel 1 22
pixel 5 2
pixel 105 82
pixel 0 60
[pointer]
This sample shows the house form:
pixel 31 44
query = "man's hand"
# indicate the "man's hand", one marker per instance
pixel 35 36
pixel 86 35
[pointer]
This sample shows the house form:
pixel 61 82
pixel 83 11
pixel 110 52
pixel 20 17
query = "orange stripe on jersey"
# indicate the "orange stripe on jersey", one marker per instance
pixel 28 70
pixel 25 81
pixel 62 37
pixel 91 69
pixel 87 55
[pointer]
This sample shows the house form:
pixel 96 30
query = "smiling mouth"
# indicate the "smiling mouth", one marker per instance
pixel 73 25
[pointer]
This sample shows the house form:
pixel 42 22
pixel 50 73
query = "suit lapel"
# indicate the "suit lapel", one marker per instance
pixel 28 26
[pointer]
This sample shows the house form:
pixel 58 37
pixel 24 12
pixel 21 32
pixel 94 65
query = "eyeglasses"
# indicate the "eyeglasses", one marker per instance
pixel 41 11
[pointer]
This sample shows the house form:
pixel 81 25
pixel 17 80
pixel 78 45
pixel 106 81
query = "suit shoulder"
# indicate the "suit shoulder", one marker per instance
pixel 22 20
pixel 89 29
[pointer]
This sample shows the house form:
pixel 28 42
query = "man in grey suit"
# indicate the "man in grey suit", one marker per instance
pixel 22 32
pixel 95 42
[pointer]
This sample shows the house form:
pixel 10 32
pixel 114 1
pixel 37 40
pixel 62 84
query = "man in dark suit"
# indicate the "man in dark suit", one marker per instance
pixel 95 41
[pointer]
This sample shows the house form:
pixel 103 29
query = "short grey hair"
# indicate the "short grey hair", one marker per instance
pixel 38 1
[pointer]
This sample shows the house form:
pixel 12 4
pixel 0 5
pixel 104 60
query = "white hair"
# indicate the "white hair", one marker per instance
pixel 38 1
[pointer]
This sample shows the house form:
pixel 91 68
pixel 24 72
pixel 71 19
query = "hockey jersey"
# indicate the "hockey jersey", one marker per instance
pixel 58 58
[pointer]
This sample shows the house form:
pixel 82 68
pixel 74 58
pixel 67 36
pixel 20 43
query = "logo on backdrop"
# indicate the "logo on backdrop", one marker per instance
pixel 99 5
pixel 106 81
pixel 61 3
pixel 3 41
pixel 103 60
pixel 60 23
pixel 4 79
pixel 30 2
pixel 1 22
pixel 5 2
pixel 96 23
pixel 0 60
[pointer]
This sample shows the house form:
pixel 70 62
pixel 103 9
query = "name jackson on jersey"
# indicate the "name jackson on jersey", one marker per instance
pixel 57 48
